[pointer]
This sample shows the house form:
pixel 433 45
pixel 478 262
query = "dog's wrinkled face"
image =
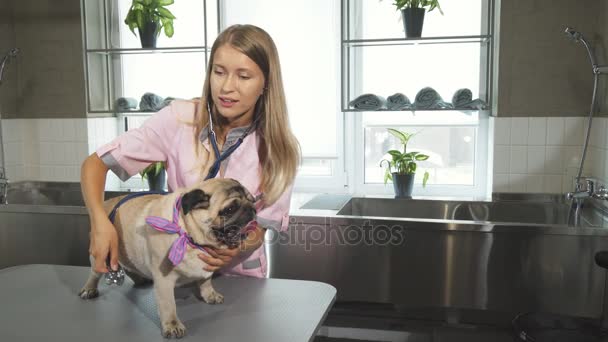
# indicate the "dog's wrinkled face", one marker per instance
pixel 221 209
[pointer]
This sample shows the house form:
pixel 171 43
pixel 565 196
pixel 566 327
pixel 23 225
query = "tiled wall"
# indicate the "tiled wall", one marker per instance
pixel 542 154
pixel 53 149
pixel 535 154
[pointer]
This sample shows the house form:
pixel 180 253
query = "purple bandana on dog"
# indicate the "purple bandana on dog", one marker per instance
pixel 179 246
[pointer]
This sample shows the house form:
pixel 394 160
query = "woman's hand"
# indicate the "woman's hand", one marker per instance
pixel 104 242
pixel 219 258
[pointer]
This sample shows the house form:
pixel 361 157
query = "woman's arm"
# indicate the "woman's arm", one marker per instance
pixel 104 238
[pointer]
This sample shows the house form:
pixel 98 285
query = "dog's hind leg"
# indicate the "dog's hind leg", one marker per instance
pixel 208 293
pixel 89 290
pixel 164 287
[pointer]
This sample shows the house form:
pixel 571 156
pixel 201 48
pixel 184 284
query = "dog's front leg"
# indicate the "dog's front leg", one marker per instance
pixel 89 290
pixel 208 293
pixel 165 299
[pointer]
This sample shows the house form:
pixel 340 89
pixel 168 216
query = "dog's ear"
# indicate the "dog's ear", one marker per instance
pixel 195 199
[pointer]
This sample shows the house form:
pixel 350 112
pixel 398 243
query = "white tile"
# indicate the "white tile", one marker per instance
pixel 598 132
pixel 519 131
pixel 91 128
pixel 517 182
pixel 502 155
pixel 555 131
pixel 45 154
pixel 519 159
pixel 554 159
pixel 598 164
pixel 537 132
pixel 534 184
pixel 19 174
pixel 11 173
pixel 502 131
pixel 71 157
pixel 536 159
pixel 552 184
pixel 58 154
pixel 69 130
pixel 32 153
pixel 14 153
pixel 45 129
pixel 82 152
pixel 500 182
pixel 34 172
pixel 572 156
pixel 12 130
pixel 80 130
pixel 574 131
pixel 57 130
pixel 567 183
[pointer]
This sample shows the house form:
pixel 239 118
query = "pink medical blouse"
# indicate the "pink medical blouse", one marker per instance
pixel 168 136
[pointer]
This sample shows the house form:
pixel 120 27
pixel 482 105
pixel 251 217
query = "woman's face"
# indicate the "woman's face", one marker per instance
pixel 236 84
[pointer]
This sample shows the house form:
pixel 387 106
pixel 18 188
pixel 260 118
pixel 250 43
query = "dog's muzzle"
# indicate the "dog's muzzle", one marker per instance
pixel 236 228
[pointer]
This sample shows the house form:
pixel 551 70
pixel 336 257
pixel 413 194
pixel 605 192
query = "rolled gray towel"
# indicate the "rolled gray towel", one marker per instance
pixel 150 102
pixel 462 97
pixel 476 104
pixel 167 102
pixel 368 102
pixel 429 98
pixel 125 104
pixel 398 101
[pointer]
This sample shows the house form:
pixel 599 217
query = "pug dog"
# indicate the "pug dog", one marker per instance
pixel 215 214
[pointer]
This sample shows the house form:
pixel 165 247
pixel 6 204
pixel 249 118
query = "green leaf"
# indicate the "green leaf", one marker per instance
pixel 165 2
pixel 147 2
pixel 404 137
pixel 421 157
pixel 139 19
pixel 395 153
pixel 165 13
pixel 169 29
pixel 387 176
pixel 425 178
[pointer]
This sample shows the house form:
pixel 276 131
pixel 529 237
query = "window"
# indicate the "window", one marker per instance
pixel 455 53
pixel 308 41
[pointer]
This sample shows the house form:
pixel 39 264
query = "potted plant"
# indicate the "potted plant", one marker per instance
pixel 412 12
pixel 149 17
pixel 402 167
pixel 155 174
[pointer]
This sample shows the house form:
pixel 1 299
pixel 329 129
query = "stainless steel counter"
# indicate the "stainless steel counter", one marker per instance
pixel 512 253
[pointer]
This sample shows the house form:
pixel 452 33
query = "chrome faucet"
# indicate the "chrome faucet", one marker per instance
pixel 580 193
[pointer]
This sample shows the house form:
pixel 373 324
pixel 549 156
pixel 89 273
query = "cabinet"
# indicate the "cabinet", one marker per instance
pixel 455 51
pixel 116 66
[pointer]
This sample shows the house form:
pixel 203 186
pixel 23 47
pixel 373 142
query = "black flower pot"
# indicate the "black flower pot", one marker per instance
pixel 413 19
pixel 147 36
pixel 157 182
pixel 403 185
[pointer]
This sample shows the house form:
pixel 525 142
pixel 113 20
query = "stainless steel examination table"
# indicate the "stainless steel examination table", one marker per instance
pixel 40 303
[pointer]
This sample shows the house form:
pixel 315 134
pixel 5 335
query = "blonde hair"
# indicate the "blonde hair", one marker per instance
pixel 278 149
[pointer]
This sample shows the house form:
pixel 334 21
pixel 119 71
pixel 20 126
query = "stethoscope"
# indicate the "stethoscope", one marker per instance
pixel 219 157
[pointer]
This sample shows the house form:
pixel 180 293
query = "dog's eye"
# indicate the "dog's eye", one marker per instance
pixel 229 210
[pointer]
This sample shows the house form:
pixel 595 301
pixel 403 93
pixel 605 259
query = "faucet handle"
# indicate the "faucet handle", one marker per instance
pixel 590 185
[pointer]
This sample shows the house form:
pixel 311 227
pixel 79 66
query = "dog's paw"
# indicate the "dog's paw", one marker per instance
pixel 173 328
pixel 87 293
pixel 212 297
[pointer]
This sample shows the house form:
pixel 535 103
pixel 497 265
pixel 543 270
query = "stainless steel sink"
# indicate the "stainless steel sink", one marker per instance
pixel 496 212
pixel 49 194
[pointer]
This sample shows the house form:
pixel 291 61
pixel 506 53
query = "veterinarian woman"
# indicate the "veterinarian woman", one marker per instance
pixel 244 92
